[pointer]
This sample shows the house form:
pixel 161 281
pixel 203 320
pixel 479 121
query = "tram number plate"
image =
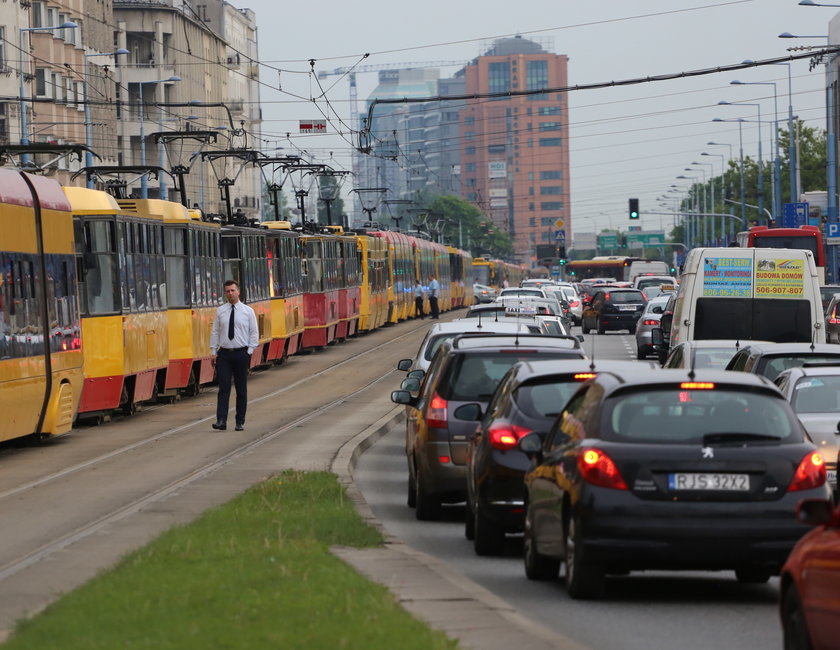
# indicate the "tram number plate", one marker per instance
pixel 727 482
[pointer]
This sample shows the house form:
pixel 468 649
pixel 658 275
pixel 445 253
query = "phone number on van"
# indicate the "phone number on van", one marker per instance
pixel 788 291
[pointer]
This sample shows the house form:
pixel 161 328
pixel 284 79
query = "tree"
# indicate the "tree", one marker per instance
pixel 463 223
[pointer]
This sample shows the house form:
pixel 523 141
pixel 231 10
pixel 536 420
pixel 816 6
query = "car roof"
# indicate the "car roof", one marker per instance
pixel 472 325
pixel 616 380
pixel 811 371
pixel 528 341
pixel 720 343
pixel 527 370
pixel 789 348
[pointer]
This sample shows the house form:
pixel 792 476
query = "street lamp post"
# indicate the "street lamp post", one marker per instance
pixel 760 171
pixel 777 161
pixel 24 138
pixel 144 180
pixel 739 120
pixel 88 139
pixel 722 189
pixel 706 235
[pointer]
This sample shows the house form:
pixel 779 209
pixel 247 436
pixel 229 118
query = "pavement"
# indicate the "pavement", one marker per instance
pixel 430 589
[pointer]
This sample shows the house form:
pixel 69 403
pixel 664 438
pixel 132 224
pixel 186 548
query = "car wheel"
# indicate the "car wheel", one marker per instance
pixel 537 567
pixel 752 575
pixel 469 522
pixel 583 579
pixel 794 628
pixel 640 354
pixel 426 507
pixel 583 327
pixel 632 330
pixel 489 538
pixel 601 329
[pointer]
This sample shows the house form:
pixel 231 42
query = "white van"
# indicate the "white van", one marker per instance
pixel 764 294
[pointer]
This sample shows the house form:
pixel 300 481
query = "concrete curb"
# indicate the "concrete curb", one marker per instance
pixel 428 587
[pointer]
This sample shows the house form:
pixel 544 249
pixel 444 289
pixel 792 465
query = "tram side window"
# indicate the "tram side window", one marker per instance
pixel 101 280
pixel 177 276
pixel 231 259
pixel 6 306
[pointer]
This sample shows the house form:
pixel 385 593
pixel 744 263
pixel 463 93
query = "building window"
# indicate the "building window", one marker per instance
pixel 42 88
pixel 537 78
pixel 498 78
pixel 80 95
pixel 2 47
pixel 530 142
pixel 38 14
pixel 469 121
pixel 531 207
pixel 532 222
pixel 52 19
pixel 470 167
pixel 546 206
pixel 546 236
pixel 530 176
pixel 549 110
pixel 471 196
pixel 547 221
pixel 452 116
pixel 469 135
pixel 531 191
pixel 551 189
pixel 549 142
pixel 550 126
pixel 551 175
pixel 495 148
pixel 469 151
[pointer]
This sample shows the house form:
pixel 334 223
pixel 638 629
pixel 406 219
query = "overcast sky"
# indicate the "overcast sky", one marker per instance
pixel 630 141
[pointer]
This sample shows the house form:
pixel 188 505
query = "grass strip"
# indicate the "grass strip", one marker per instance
pixel 255 573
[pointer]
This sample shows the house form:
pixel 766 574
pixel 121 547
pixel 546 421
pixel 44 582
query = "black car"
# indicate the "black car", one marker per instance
pixel 529 399
pixel 464 370
pixel 769 359
pixel 613 309
pixel 660 469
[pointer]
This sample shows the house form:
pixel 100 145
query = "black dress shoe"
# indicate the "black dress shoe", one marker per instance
pixel 219 426
pixel 240 427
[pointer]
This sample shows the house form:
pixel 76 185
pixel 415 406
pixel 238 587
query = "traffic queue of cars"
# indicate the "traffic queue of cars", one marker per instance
pixel 715 463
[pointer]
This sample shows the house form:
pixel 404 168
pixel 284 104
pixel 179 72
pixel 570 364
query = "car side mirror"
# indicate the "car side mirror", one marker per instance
pixel 411 384
pixel 404 364
pixel 402 397
pixel 468 412
pixel 531 446
pixel 580 338
pixel 416 374
pixel 816 512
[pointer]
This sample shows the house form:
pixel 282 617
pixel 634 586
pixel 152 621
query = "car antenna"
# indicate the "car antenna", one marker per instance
pixel 813 336
pixel 691 373
pixel 479 326
pixel 592 354
pixel 737 344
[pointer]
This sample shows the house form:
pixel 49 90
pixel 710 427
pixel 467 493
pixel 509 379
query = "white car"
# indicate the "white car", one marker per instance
pixel 483 293
pixel 440 332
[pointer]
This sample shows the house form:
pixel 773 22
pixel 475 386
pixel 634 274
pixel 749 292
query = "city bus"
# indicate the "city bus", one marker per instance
pixel 808 238
pixel 615 266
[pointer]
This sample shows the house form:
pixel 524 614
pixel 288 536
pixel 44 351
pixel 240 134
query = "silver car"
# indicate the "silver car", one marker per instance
pixel 649 319
pixel 483 293
pixel 814 394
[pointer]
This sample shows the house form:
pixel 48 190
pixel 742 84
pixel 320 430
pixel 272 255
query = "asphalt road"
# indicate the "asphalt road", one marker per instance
pixel 644 611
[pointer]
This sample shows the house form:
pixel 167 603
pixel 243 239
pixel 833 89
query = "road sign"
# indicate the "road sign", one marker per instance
pixel 559 223
pixel 636 239
pixel 559 234
pixel 832 233
pixel 794 215
pixel 313 126
pixel 608 241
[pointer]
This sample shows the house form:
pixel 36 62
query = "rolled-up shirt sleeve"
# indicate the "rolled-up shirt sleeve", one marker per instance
pixel 253 332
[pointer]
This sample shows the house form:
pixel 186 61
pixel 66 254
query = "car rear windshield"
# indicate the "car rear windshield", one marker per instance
pixel 761 319
pixel 770 366
pixel 713 357
pixel 547 397
pixel 693 417
pixel 817 395
pixel 619 297
pixel 652 282
pixel 475 376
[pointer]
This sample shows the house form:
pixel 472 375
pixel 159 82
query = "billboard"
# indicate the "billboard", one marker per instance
pixel 497 169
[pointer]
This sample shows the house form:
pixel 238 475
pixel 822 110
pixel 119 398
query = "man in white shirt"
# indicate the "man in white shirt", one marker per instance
pixel 234 337
pixel 434 288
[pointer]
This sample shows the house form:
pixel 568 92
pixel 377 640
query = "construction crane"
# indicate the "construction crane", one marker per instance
pixel 352 71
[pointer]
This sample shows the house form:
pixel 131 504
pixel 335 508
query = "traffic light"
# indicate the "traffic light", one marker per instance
pixel 634 208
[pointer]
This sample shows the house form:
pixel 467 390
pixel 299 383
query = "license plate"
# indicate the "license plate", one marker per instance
pixel 627 308
pixel 831 475
pixel 722 482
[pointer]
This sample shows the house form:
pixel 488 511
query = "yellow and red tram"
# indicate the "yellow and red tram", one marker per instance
pixel 286 284
pixel 122 292
pixel 373 311
pixel 40 341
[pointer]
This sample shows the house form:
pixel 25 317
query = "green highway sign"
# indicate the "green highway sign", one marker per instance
pixel 639 239
pixel 608 241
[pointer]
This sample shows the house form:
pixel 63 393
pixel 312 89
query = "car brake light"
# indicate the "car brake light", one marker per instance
pixel 583 376
pixel 436 415
pixel 697 385
pixel 505 436
pixel 650 321
pixel 810 473
pixel 599 469
pixel 574 303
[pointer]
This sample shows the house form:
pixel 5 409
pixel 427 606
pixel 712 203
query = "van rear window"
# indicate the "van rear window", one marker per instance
pixel 764 319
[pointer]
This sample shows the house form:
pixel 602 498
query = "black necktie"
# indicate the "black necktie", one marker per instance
pixel 230 323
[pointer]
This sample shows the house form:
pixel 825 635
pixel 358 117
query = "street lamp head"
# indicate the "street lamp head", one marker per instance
pixel 786 35
pixel 69 24
pixel 808 3
pixel 735 82
pixel 173 78
pixel 724 103
pixel 122 50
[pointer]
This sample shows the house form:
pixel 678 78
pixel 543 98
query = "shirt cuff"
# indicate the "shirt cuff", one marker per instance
pixel 250 351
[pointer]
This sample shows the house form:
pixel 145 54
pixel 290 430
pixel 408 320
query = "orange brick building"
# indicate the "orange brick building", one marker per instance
pixel 515 150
